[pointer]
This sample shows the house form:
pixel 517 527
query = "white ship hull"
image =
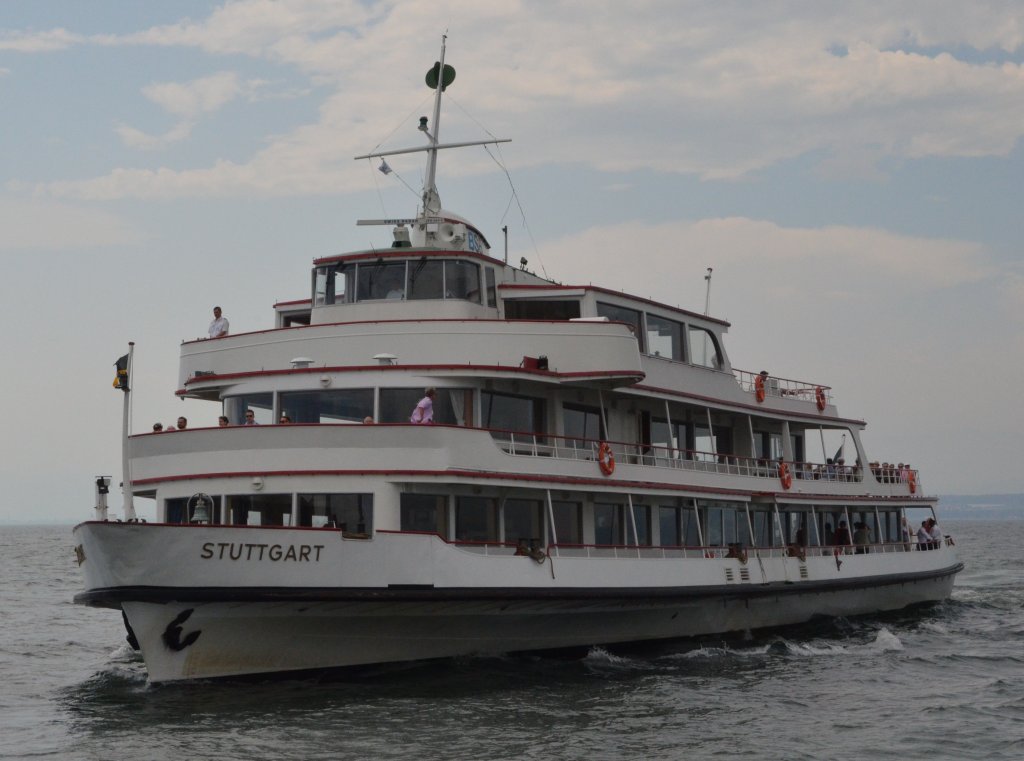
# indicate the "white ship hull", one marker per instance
pixel 207 626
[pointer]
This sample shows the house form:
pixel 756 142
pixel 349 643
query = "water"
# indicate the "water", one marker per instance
pixel 940 682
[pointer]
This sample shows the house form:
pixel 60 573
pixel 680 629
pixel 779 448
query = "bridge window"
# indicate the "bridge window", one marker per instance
pixel 380 280
pixel 426 279
pixel 664 338
pixel 462 280
pixel 704 349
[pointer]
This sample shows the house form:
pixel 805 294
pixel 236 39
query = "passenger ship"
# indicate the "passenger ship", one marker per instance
pixel 596 472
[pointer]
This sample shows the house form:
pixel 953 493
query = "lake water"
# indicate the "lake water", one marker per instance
pixel 938 682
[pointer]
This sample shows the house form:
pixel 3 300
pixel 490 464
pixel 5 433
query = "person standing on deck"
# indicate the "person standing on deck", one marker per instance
pixel 424 411
pixel 219 326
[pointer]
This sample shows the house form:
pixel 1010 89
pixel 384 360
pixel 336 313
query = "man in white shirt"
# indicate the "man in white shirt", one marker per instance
pixel 936 535
pixel 219 326
pixel 924 537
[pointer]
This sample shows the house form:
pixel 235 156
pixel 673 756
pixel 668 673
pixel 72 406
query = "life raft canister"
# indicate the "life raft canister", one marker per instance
pixel 759 388
pixel 605 458
pixel 819 398
pixel 785 476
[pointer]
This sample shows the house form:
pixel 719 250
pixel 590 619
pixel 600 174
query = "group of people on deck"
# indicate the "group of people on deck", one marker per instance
pixel 929 536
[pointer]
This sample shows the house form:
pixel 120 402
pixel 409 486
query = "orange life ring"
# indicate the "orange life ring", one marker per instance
pixel 759 388
pixel 819 398
pixel 605 458
pixel 785 476
pixel 912 482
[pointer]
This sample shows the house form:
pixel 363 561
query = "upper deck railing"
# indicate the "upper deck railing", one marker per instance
pixel 525 443
pixel 786 388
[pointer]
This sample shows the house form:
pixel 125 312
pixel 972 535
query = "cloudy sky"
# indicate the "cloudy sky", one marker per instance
pixel 852 172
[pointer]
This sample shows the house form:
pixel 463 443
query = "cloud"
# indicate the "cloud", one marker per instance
pixel 721 90
pixel 34 225
pixel 4 72
pixel 186 100
pixel 39 42
pixel 820 264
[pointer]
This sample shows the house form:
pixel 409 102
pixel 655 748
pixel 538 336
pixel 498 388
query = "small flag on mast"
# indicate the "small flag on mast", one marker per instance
pixel 121 379
pixel 384 168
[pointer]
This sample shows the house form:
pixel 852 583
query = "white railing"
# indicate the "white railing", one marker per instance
pixel 524 443
pixel 786 388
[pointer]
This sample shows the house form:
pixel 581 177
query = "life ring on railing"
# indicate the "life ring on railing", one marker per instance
pixel 605 458
pixel 912 482
pixel 759 388
pixel 819 398
pixel 785 476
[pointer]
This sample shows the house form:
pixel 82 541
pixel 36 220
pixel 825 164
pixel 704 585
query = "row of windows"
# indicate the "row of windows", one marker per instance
pixel 349 512
pixel 498 411
pixel 712 524
pixel 414 279
pixel 662 337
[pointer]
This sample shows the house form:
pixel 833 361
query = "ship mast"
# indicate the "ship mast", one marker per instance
pixel 431 199
pixel 439 77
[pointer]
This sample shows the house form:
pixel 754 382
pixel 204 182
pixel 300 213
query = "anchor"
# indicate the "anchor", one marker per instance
pixel 172 634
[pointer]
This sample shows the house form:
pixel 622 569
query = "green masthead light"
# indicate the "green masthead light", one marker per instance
pixel 449 76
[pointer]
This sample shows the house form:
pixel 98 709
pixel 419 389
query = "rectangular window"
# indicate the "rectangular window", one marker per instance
pixel 608 524
pixel 661 438
pixel 642 516
pixel 523 519
pixel 704 350
pixel 492 293
pixel 508 412
pixel 380 280
pixel 476 519
pixel 692 536
pixel 713 535
pixel 350 405
pixel 426 279
pixel 424 512
pixel 349 512
pixel 452 406
pixel 621 314
pixel 568 521
pixel 175 511
pixel 331 284
pixel 704 444
pixel 582 422
pixel 664 338
pixel 261 404
pixel 669 527
pixel 260 509
pixel 535 309
pixel 462 280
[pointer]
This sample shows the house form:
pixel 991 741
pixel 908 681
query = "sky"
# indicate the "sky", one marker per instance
pixel 852 173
